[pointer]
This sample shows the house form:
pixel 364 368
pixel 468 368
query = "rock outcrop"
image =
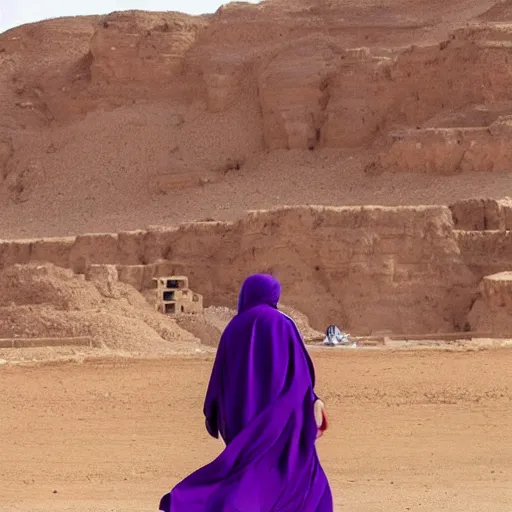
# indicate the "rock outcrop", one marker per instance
pixel 142 48
pixel 364 268
pixel 368 269
pixel 99 114
pixel 450 150
pixel 320 77
pixel 492 311
pixel 484 234
pixel 482 214
pixel 294 92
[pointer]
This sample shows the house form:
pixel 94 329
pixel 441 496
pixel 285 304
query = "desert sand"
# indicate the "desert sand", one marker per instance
pixel 357 150
pixel 421 431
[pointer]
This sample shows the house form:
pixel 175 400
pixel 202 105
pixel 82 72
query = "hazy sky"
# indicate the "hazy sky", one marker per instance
pixel 17 12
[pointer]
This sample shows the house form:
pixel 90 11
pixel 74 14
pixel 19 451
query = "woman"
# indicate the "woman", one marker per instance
pixel 261 400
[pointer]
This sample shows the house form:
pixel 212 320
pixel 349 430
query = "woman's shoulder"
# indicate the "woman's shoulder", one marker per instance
pixel 292 323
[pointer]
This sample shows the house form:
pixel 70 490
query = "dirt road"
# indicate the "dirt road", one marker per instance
pixel 420 431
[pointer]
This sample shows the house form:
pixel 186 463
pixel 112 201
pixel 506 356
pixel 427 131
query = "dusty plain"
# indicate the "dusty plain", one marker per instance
pixel 409 430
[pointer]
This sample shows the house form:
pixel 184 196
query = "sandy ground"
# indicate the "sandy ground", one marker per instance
pixel 259 187
pixel 419 431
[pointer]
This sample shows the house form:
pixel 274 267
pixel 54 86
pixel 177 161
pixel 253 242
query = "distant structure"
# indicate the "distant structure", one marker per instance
pixel 334 337
pixel 174 296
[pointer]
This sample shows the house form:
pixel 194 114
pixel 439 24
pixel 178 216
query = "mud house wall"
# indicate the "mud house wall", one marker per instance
pixel 365 268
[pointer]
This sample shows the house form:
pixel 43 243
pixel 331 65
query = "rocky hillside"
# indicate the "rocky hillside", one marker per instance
pixel 137 118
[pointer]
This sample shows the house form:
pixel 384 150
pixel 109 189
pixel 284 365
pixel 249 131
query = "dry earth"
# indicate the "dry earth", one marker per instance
pixel 421 431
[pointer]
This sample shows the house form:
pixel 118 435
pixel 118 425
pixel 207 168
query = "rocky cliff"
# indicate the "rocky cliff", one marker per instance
pixel 280 102
pixel 364 268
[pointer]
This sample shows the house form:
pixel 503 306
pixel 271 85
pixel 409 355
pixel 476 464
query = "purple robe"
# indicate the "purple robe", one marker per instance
pixel 260 400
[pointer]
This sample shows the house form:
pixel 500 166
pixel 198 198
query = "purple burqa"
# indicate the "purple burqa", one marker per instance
pixel 260 399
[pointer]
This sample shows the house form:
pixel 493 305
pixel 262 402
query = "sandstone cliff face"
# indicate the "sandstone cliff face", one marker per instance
pixel 316 93
pixel 342 74
pixel 142 48
pixel 432 77
pixel 450 150
pixel 485 239
pixel 483 214
pixel 294 94
pixel 99 114
pixel 491 312
pixel 365 268
pixel 483 233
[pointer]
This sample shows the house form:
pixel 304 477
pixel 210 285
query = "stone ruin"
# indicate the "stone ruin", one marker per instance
pixel 170 294
pixel 174 297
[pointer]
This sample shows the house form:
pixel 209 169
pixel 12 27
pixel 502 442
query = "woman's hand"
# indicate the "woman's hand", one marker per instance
pixel 320 417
